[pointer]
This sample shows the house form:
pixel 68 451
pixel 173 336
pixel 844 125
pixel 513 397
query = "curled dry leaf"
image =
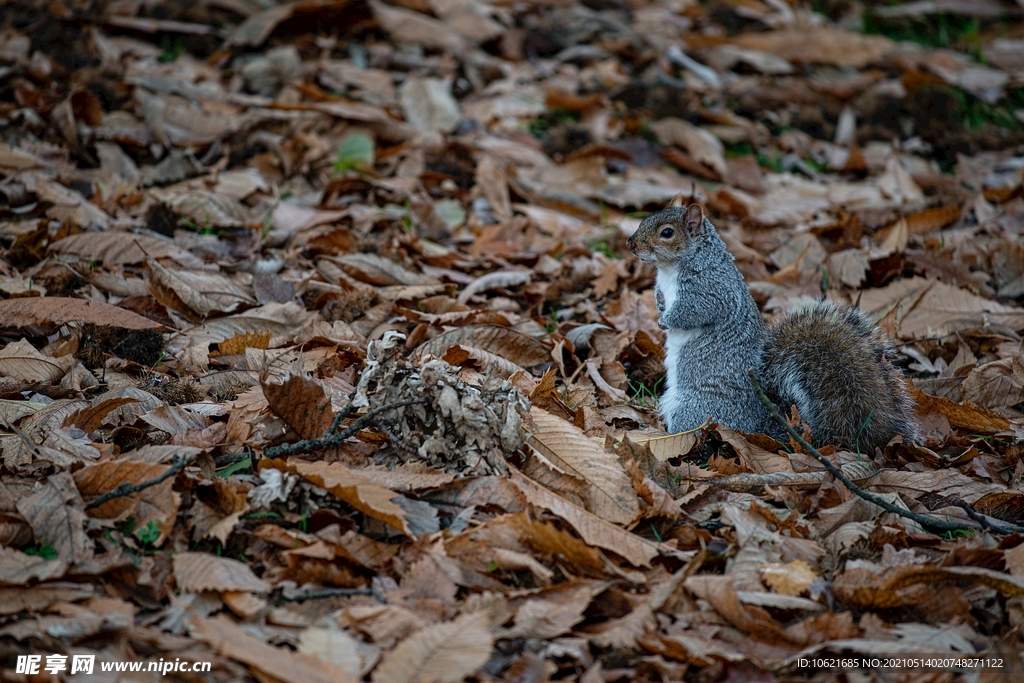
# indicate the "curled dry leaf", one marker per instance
pixel 665 447
pixel 510 344
pixel 273 317
pixel 458 355
pixel 364 495
pixel 91 418
pixel 966 415
pixel 378 270
pixel 502 279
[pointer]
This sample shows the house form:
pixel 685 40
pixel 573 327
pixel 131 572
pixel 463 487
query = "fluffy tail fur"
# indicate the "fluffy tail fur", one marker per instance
pixel 829 361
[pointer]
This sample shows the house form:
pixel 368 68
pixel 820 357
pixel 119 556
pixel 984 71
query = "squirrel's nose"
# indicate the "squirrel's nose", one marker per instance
pixel 631 243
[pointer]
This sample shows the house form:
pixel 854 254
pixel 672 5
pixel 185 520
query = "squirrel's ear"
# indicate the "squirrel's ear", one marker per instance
pixel 677 202
pixel 694 218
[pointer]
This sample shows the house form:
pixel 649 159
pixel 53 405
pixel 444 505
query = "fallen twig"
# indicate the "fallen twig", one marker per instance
pixel 923 520
pixel 126 488
pixel 980 518
pixel 332 592
pixel 333 438
pixel 749 482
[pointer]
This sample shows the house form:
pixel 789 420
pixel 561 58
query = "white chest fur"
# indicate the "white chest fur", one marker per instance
pixel 667 283
pixel 675 340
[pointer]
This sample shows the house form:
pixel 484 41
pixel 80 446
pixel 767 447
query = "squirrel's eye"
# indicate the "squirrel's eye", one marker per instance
pixel 667 233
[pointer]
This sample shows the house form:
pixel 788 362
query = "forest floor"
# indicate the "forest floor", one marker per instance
pixel 230 225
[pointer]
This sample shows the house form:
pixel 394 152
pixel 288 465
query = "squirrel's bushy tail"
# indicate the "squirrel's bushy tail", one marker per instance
pixel 836 367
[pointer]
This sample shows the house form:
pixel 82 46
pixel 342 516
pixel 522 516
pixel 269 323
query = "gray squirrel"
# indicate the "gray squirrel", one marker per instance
pixel 826 358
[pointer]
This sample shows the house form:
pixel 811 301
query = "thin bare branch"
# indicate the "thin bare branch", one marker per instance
pixel 923 520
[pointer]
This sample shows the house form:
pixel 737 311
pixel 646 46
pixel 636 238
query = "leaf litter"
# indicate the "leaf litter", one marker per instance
pixel 324 359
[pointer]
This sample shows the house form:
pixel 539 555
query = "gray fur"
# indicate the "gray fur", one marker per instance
pixel 827 359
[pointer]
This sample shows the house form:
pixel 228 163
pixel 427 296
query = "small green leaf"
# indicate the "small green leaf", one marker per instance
pixel 44 551
pixel 451 212
pixel 243 464
pixel 150 534
pixel 355 152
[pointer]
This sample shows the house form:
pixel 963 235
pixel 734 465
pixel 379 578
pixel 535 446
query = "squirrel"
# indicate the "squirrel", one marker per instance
pixel 824 357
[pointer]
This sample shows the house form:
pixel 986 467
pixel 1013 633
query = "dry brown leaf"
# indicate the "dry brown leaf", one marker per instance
pixel 332 646
pixel 197 572
pixel 939 309
pixel 407 26
pixel 91 418
pixel 505 342
pixel 458 355
pixel 924 222
pixel 56 311
pixel 375 269
pixel 39 598
pixel 591 528
pixel 364 495
pixel 553 613
pixel 273 317
pixel 823 45
pixel 863 589
pixel 115 248
pixel 246 340
pixel 175 419
pixel 896 237
pixel 409 476
pixel 718 591
pixel 792 578
pixel 607 488
pixel 849 267
pixel 228 640
pixel 445 653
pixel 20 569
pixel 665 447
pixel 996 384
pixel 204 208
pixel 502 279
pixel 158 503
pixel 549 540
pixel 55 515
pixel 301 402
pixel 753 457
pixel 20 360
pixel 702 145
pixel 170 290
pixel 218 509
pixel 968 416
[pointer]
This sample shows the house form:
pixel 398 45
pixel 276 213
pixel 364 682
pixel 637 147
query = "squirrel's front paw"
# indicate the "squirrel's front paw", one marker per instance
pixel 659 301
